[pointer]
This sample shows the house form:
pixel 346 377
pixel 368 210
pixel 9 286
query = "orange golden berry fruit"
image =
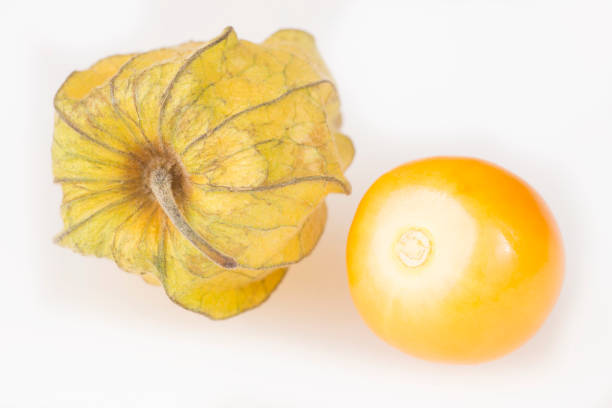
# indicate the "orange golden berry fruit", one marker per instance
pixel 204 166
pixel 454 259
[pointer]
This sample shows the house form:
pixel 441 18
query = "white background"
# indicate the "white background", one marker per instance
pixel 526 84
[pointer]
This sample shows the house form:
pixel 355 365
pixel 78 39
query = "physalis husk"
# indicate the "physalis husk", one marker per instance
pixel 203 167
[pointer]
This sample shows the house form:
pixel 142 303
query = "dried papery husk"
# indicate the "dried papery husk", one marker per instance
pixel 203 167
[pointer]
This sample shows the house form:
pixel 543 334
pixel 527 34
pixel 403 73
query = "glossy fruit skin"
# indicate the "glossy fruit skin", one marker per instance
pixel 493 274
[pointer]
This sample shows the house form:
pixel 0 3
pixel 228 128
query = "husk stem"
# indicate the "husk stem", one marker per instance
pixel 160 182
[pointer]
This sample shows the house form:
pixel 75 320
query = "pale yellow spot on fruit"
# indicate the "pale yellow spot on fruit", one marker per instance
pixel 423 241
